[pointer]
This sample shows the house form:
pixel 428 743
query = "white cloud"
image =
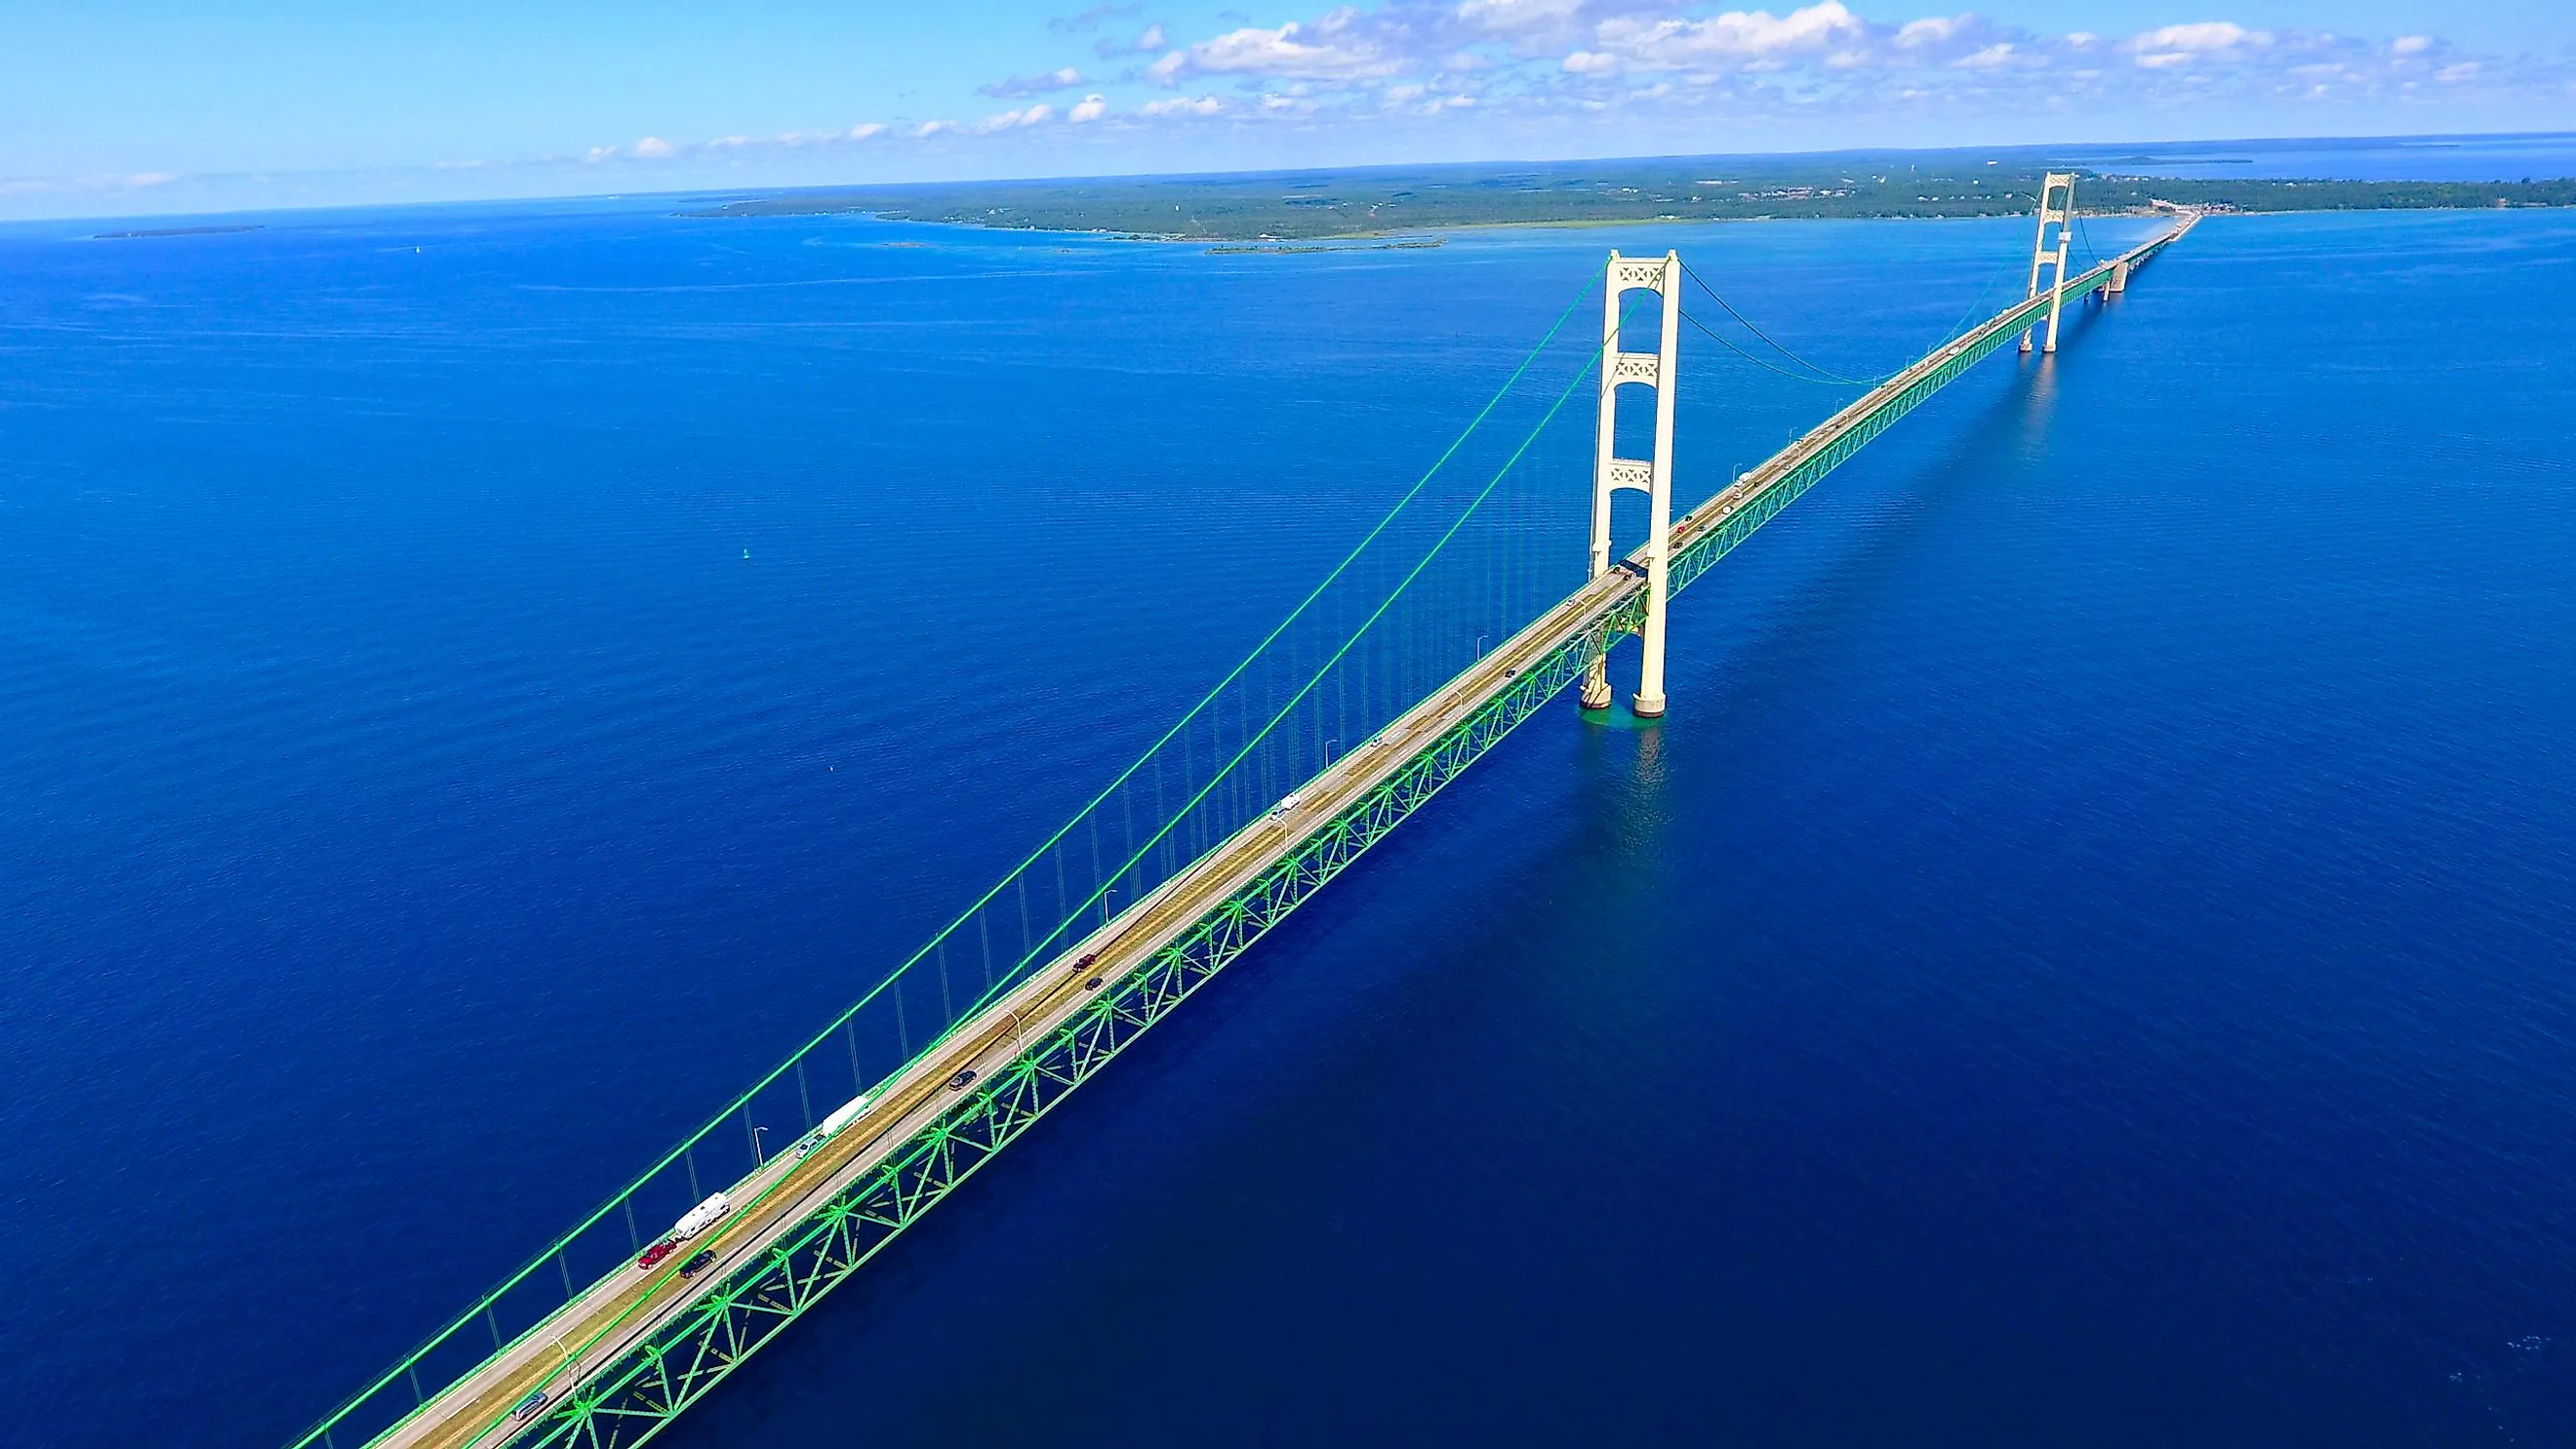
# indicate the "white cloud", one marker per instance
pixel 1525 52
pixel 1090 19
pixel 1514 16
pixel 38 186
pixel 1736 39
pixel 2168 46
pixel 1020 86
pixel 1336 47
pixel 1704 59
pixel 1148 40
pixel 2202 35
pixel 597 154
pixel 1011 120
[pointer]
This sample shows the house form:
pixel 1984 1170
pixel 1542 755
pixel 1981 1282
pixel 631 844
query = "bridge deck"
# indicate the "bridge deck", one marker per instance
pixel 625 1313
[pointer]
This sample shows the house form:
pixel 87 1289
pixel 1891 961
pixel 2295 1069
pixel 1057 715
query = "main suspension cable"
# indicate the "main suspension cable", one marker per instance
pixel 1016 873
pixel 1221 773
pixel 1721 341
pixel 1747 324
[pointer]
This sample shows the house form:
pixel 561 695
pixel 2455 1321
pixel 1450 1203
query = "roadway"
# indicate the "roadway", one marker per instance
pixel 613 1315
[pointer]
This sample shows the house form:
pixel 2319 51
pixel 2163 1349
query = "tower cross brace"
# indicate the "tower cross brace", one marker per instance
pixel 1651 476
pixel 2057 209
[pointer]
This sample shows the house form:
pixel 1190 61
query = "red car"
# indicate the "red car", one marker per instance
pixel 656 1253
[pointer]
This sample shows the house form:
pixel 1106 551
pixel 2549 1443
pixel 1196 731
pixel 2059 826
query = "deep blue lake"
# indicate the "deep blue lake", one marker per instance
pixel 2087 959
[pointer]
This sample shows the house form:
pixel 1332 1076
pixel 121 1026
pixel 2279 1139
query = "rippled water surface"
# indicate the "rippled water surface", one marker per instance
pixel 2085 961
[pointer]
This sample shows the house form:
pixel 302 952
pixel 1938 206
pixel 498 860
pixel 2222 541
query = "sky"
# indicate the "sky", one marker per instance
pixel 113 109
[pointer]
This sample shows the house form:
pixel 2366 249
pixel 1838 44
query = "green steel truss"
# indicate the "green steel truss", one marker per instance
pixel 633 1399
pixel 640 1394
pixel 1694 557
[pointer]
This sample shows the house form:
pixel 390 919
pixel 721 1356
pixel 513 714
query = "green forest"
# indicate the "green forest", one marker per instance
pixel 1312 205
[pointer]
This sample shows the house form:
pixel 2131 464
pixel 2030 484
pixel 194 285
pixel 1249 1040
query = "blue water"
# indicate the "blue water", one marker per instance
pixel 2522 157
pixel 2085 961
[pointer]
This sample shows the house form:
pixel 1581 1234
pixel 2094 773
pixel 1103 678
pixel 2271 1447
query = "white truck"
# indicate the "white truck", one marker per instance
pixel 700 1218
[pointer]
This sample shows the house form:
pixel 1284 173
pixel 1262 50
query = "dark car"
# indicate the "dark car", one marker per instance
pixel 958 1082
pixel 654 1255
pixel 698 1264
pixel 528 1407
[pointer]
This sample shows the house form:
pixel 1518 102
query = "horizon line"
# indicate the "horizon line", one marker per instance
pixel 1250 172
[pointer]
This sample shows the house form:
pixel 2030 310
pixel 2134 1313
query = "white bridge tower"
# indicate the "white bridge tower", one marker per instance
pixel 2056 208
pixel 1652 477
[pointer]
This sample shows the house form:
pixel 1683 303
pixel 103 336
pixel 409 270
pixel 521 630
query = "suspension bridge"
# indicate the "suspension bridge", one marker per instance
pixel 1343 721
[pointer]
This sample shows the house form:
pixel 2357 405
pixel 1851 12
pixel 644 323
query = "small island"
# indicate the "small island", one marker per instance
pixel 160 231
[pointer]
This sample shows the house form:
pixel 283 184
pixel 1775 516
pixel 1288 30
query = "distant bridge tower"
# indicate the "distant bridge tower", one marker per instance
pixel 2056 208
pixel 1653 477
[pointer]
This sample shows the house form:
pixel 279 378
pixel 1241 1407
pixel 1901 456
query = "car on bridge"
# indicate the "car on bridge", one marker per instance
pixel 654 1255
pixel 528 1407
pixel 698 1264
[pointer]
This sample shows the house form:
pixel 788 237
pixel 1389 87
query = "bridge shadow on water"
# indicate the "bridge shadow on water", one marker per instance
pixel 1754 624
pixel 1593 839
pixel 1901 1043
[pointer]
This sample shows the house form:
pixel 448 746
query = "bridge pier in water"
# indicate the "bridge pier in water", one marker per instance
pixel 1652 477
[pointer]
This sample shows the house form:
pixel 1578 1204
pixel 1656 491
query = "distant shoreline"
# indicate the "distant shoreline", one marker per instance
pixel 1280 212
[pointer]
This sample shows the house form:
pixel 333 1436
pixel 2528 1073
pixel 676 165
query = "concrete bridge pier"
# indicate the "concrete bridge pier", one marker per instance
pixel 1650 476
